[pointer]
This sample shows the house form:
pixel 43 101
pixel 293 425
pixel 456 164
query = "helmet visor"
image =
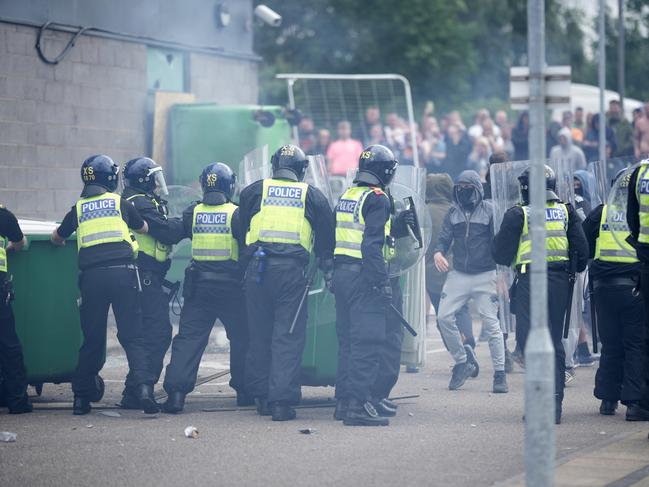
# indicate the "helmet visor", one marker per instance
pixel 159 179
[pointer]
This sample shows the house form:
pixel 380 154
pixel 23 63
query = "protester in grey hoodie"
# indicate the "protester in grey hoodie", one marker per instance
pixel 568 152
pixel 468 230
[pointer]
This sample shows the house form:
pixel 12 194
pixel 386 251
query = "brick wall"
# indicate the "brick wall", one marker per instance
pixel 94 101
pixel 53 117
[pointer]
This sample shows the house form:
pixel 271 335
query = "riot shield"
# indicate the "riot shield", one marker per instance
pixel 616 210
pixel 254 166
pixel 505 193
pixel 565 179
pixel 316 175
pixel 408 249
pixel 179 198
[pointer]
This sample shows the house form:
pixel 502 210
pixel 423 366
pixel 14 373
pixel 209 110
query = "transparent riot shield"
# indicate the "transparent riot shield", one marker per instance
pixel 410 181
pixel 317 176
pixel 565 179
pixel 505 193
pixel 179 198
pixel 616 210
pixel 254 166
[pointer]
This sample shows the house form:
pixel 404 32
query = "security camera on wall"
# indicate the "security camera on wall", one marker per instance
pixel 268 15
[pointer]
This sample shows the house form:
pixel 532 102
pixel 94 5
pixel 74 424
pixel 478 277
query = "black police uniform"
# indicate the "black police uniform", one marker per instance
pixel 642 251
pixel 504 251
pixel 275 355
pixel 620 322
pixel 390 355
pixel 154 300
pixel 108 277
pixel 211 290
pixel 13 378
pixel 361 322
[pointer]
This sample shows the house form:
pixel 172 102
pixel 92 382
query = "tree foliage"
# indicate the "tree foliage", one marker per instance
pixel 450 50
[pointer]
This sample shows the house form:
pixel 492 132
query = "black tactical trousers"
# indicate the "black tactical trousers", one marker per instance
pixel 13 380
pixel 558 289
pixel 156 325
pixel 361 330
pixel 101 288
pixel 390 355
pixel 274 357
pixel 621 326
pixel 207 301
pixel 644 289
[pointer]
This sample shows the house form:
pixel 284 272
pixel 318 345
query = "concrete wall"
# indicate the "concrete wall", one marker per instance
pixel 94 101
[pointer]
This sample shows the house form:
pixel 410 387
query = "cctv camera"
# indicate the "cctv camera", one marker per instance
pixel 268 15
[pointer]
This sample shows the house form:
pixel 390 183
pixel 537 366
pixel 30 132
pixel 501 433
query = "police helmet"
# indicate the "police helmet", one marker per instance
pixel 218 177
pixel 376 166
pixel 289 162
pixel 100 170
pixel 145 175
pixel 550 183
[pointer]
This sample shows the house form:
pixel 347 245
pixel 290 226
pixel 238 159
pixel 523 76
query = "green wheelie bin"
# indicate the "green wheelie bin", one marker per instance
pixel 45 305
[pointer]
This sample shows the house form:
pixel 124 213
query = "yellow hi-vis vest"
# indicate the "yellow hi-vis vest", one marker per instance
pixel 642 193
pixel 281 217
pixel 607 248
pixel 3 255
pixel 147 243
pixel 350 224
pixel 212 238
pixel 100 221
pixel 556 240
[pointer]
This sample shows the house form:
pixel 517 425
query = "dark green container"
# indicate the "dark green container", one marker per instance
pixel 206 132
pixel 47 315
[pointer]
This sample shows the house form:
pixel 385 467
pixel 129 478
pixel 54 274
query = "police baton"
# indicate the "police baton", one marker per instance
pixel 593 312
pixel 403 321
pixel 572 277
pixel 307 288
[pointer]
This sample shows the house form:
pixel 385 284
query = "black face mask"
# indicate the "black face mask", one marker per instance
pixel 467 197
pixel 579 191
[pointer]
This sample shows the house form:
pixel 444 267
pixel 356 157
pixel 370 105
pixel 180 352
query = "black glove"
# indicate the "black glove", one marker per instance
pixel 384 291
pixel 408 217
pixel 329 280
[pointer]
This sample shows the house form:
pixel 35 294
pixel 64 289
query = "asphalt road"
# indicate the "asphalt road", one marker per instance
pixel 468 437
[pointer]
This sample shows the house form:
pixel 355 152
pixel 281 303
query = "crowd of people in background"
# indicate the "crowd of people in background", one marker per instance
pixel 447 145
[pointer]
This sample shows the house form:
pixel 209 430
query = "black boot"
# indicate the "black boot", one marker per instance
pixel 81 406
pixel 263 408
pixel 341 409
pixel 147 401
pixel 282 412
pixel 383 409
pixel 21 406
pixel 635 412
pixel 175 403
pixel 607 408
pixel 363 414
pixel 500 382
pixel 130 400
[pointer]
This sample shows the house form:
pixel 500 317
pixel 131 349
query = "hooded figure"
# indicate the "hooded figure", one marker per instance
pixel 567 151
pixel 439 199
pixel 468 227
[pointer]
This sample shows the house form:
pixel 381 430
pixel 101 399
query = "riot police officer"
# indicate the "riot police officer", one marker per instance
pixel 614 274
pixel 638 219
pixel 13 379
pixel 212 288
pixel 144 178
pixel 285 220
pixel 362 287
pixel 108 276
pixel 565 241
